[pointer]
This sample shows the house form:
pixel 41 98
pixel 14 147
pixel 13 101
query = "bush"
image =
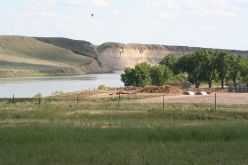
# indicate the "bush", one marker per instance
pixel 101 87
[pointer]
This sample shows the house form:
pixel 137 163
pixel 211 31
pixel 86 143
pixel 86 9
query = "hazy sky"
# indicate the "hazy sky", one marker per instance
pixel 201 23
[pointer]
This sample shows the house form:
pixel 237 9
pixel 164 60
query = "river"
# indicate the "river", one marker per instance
pixel 29 86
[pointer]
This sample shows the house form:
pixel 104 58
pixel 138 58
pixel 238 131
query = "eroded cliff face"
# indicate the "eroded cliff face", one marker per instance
pixel 121 56
pixel 117 56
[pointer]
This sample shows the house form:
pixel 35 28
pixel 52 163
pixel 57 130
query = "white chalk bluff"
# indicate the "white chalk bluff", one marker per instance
pixel 116 56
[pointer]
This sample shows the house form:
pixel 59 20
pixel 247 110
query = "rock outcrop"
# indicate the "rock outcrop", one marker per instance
pixel 117 56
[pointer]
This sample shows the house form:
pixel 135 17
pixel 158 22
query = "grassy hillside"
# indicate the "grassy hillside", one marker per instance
pixel 76 46
pixel 23 56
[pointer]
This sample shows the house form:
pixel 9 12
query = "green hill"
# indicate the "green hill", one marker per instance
pixel 26 56
pixel 76 46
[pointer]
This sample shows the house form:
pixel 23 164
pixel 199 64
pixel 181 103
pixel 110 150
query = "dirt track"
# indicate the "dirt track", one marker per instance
pixel 221 98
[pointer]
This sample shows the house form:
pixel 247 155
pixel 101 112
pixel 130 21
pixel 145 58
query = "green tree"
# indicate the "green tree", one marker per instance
pixel 222 65
pixel 138 76
pixel 192 65
pixel 179 78
pixel 207 58
pixel 129 77
pixel 237 65
pixel 244 73
pixel 170 61
pixel 159 74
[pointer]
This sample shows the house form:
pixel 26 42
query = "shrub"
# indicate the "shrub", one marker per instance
pixel 101 87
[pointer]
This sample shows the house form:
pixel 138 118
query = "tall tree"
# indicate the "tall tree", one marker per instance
pixel 159 74
pixel 237 64
pixel 142 74
pixel 207 56
pixel 128 77
pixel 244 73
pixel 170 61
pixel 138 76
pixel 192 65
pixel 222 65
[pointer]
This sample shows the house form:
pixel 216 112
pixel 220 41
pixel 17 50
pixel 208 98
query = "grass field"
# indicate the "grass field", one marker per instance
pixel 109 131
pixel 25 56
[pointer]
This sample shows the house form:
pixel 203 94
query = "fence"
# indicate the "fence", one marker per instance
pixel 238 89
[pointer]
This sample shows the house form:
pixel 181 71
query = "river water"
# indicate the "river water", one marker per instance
pixel 30 86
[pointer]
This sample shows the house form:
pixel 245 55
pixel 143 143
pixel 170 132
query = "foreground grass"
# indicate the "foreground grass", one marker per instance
pixel 99 132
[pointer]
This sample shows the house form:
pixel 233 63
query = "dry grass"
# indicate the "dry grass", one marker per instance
pixel 24 55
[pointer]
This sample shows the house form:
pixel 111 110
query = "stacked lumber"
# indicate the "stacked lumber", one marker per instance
pixel 162 89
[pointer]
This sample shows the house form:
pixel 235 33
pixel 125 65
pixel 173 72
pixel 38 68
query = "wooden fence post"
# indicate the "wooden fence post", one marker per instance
pixel 119 100
pixel 163 101
pixel 215 102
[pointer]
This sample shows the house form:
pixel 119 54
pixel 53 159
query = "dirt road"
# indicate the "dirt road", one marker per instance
pixel 221 98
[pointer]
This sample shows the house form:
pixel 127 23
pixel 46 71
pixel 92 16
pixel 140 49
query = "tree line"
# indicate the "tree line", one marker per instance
pixel 202 66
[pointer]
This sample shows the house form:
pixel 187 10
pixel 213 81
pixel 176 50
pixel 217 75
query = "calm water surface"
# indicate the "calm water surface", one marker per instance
pixel 30 86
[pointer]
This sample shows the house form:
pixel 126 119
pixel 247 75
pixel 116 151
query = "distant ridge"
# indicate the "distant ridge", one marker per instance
pixel 34 56
pixel 26 56
pixel 77 46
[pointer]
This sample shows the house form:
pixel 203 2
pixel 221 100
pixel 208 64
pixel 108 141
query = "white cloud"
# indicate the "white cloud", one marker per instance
pixel 113 11
pixel 92 21
pixel 59 25
pixel 207 27
pixel 219 3
pixel 70 18
pixel 241 1
pixel 130 14
pixel 86 13
pixel 195 4
pixel 167 3
pixel 90 2
pixel 74 2
pixel 72 7
pixel 163 15
pixel 214 12
pixel 98 2
pixel 34 5
pixel 8 22
pixel 197 13
pixel 42 13
pixel 240 10
pixel 219 12
pixel 38 23
pixel 144 29
pixel 236 28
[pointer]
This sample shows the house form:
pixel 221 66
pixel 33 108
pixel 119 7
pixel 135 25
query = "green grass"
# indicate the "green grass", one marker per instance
pixel 97 131
pixel 76 46
pixel 20 56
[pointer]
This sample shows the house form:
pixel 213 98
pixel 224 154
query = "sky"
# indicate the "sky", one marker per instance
pixel 221 24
